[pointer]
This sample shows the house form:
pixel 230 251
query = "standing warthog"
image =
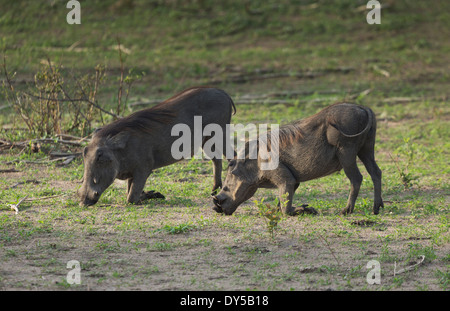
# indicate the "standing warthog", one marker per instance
pixel 132 147
pixel 311 148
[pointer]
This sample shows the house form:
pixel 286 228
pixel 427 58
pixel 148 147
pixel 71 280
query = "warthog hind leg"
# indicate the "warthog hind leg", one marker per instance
pixel 348 162
pixel 366 154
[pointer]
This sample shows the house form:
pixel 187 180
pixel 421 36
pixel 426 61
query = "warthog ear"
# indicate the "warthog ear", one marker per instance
pixel 118 141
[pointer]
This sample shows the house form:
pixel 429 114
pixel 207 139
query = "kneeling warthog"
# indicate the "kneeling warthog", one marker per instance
pixel 132 147
pixel 310 148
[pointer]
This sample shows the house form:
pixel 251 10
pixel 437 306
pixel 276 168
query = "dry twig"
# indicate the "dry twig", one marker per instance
pixel 85 99
pixel 422 258
pixel 9 170
pixel 329 248
pixel 33 181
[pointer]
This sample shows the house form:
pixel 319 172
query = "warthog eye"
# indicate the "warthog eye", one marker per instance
pixel 231 163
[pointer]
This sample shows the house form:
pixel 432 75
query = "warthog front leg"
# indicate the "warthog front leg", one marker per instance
pixel 135 187
pixel 217 172
pixel 287 207
pixel 287 184
pixel 286 201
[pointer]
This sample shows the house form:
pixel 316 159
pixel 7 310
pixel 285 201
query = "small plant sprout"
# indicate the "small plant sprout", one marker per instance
pixel 407 150
pixel 271 213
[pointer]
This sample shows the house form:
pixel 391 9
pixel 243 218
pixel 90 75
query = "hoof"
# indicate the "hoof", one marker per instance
pixel 346 211
pixel 376 207
pixel 304 209
pixel 151 195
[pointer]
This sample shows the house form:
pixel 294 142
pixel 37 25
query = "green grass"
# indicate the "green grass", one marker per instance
pixel 286 36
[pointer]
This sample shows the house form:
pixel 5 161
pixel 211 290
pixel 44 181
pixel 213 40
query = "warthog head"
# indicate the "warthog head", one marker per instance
pixel 100 168
pixel 240 185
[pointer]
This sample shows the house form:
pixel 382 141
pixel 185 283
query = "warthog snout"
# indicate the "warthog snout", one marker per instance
pixel 87 195
pixel 88 200
pixel 217 202
pixel 222 204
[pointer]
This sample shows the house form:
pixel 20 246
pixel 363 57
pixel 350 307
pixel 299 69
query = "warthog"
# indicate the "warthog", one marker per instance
pixel 310 148
pixel 132 147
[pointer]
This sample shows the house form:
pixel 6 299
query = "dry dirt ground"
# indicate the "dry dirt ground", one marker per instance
pixel 164 245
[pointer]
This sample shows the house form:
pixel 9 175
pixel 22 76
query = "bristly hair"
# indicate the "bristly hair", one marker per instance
pixel 140 121
pixel 286 135
pixel 193 90
pixel 289 133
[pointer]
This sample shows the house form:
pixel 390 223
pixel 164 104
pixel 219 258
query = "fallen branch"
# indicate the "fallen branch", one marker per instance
pixel 290 94
pixel 63 155
pixel 243 78
pixel 45 198
pixel 59 159
pixel 255 100
pixel 61 141
pixel 67 136
pixel 329 248
pixel 7 144
pixel 280 97
pixel 9 170
pixel 395 100
pixel 25 161
pixel 78 143
pixel 39 140
pixel 33 181
pixel 15 207
pixel 66 161
pixel 409 268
